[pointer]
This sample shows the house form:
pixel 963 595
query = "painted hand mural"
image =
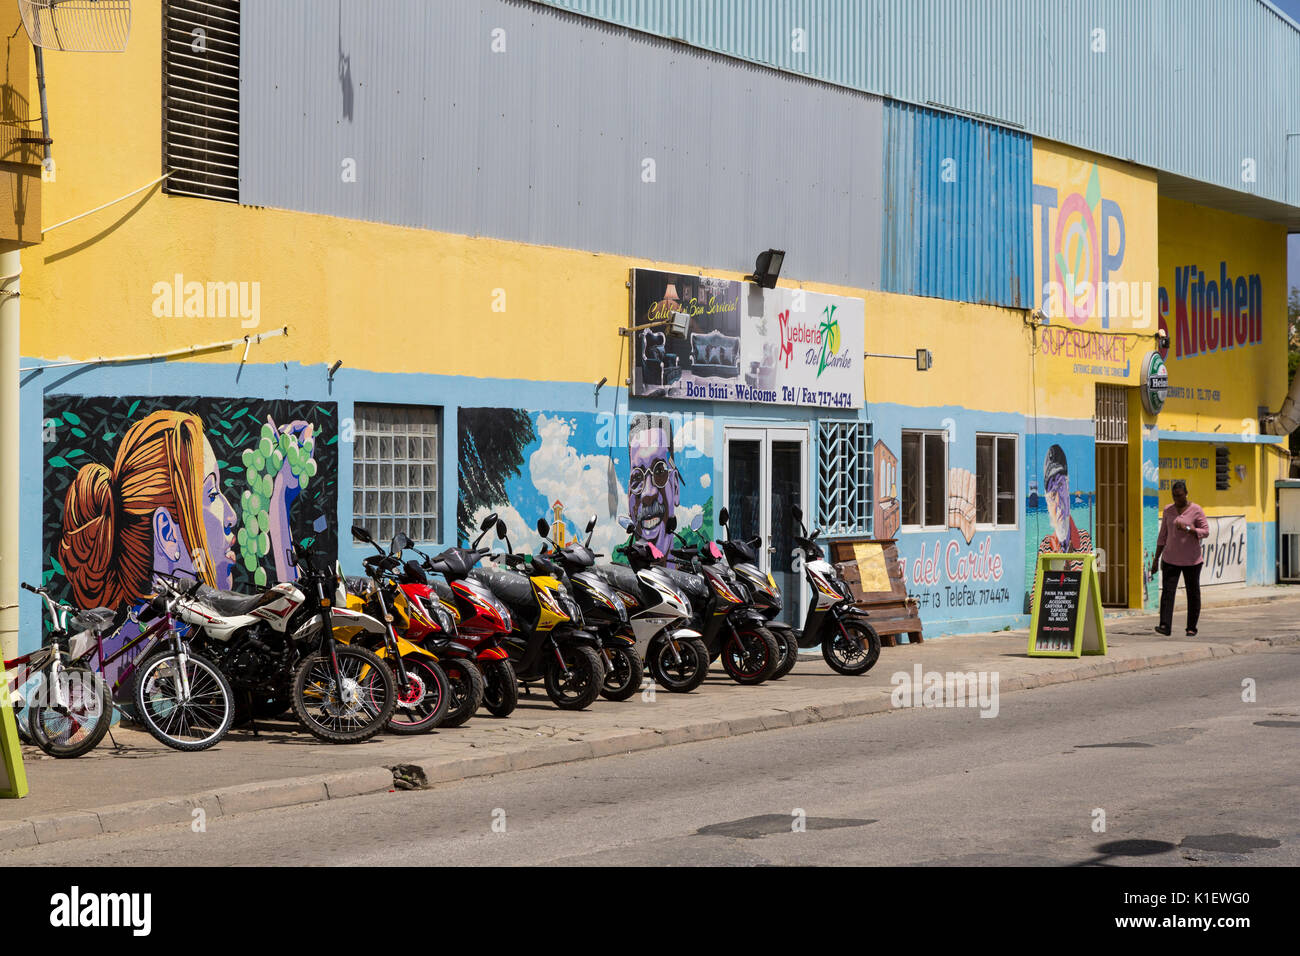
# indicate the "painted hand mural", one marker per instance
pixel 180 485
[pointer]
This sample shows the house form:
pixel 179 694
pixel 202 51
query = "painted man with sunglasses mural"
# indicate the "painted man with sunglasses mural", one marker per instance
pixel 654 483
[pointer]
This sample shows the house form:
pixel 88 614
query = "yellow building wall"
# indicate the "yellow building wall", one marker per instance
pixel 1223 389
pixel 1095 269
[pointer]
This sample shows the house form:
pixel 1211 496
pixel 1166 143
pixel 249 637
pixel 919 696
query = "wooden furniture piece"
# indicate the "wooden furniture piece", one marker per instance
pixel 873 570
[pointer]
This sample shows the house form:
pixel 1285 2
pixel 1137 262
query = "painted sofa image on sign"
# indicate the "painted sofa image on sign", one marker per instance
pixel 214 487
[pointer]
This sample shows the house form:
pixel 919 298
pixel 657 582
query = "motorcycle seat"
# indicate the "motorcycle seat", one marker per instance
pixel 229 603
pixel 621 577
pixel 693 584
pixel 510 586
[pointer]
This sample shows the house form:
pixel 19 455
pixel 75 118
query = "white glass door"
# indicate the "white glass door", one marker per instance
pixel 764 475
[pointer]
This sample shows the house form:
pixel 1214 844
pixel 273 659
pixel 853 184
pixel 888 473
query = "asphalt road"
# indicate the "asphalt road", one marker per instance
pixel 1184 770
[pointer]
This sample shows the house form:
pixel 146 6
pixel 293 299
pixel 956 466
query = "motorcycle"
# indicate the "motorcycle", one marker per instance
pixel 549 642
pixel 730 625
pixel 601 608
pixel 280 644
pixel 425 688
pixel 763 593
pixel 482 622
pixel 657 606
pixel 849 644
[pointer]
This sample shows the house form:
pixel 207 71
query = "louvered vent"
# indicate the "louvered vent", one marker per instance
pixel 201 98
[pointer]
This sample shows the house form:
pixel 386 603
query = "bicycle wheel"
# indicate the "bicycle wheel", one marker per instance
pixel 184 723
pixel 78 728
pixel 356 712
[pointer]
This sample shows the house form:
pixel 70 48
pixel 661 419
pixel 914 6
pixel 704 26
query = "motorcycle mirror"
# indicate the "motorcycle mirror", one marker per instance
pixel 543 528
pixel 488 522
pixel 723 516
pixel 501 528
pixel 697 522
pixel 361 534
pixel 797 512
pixel 671 523
pixel 591 525
pixel 625 523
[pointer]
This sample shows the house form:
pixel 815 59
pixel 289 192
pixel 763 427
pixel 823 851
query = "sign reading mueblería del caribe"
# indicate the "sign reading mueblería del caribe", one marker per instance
pixel 746 344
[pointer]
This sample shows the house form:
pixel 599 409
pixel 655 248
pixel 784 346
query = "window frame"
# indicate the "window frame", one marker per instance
pixel 1015 471
pixel 942 433
pixel 367 415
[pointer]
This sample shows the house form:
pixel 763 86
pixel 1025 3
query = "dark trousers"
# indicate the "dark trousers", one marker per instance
pixel 1192 579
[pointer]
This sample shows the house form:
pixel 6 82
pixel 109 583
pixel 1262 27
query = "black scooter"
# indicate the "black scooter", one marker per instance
pixel 849 644
pixel 763 594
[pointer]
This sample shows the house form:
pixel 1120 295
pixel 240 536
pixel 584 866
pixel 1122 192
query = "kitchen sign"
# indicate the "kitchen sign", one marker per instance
pixel 746 344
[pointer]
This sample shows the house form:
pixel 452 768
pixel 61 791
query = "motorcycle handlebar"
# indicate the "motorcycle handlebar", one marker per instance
pixel 27 587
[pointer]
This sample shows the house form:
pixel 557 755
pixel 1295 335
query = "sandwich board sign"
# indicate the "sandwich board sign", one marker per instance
pixel 1066 618
pixel 13 779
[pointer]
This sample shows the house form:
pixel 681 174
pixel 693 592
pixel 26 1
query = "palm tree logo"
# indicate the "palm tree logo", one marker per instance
pixel 830 331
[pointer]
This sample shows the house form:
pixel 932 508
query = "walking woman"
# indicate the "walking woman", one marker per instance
pixel 1181 530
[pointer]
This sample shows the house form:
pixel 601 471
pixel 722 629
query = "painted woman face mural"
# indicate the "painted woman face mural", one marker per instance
pixel 653 482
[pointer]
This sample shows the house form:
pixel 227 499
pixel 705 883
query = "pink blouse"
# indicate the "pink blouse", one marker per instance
pixel 1180 547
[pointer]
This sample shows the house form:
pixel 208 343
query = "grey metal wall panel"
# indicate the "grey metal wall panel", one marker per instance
pixel 1190 87
pixel 544 142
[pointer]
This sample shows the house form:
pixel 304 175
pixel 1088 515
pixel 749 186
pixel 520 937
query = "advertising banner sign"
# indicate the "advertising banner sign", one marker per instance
pixel 1224 551
pixel 746 343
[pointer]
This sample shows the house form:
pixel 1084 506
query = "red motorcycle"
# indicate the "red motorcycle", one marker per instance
pixel 482 619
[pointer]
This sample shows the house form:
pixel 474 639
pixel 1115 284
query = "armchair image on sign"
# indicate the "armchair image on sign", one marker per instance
pixel 665 367
pixel 214 487
pixel 567 466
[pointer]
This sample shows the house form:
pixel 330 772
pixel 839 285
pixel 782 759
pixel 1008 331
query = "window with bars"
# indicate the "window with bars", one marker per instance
pixel 395 471
pixel 201 98
pixel 844 477
pixel 995 480
pixel 925 479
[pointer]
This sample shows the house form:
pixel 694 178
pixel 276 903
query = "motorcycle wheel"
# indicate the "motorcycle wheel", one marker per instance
pixel 683 677
pixel 426 699
pixel 852 648
pixel 789 649
pixel 467 689
pixel 750 656
pixel 83 726
pixel 191 726
pixel 501 688
pixel 626 674
pixel 316 700
pixel 579 687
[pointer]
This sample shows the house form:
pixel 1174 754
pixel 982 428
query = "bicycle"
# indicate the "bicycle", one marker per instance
pixel 71 709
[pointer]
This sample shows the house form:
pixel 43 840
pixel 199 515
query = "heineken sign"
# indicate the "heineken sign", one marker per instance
pixel 1155 382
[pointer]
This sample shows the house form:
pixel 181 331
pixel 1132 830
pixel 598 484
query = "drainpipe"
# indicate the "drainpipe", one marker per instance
pixel 10 267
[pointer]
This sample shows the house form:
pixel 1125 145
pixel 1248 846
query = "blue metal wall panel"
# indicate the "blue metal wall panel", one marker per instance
pixel 544 141
pixel 1190 87
pixel 958 209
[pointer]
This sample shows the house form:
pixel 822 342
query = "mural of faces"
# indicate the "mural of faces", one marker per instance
pixel 653 481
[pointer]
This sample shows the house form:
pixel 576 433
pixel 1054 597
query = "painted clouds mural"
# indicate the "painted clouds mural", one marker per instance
pixel 567 466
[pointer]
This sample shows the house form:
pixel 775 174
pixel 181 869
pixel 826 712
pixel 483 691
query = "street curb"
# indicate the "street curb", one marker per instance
pixel 299 791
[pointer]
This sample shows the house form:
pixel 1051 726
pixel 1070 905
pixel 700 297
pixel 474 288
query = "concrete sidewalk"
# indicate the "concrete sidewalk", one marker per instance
pixel 142 783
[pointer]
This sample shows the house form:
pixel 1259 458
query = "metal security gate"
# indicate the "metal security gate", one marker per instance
pixel 1112 492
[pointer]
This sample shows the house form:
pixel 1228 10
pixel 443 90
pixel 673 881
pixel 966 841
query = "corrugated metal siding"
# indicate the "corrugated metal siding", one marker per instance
pixel 1191 87
pixel 544 143
pixel 958 208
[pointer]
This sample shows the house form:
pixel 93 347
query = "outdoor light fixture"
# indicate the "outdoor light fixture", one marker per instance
pixel 767 268
pixel 924 359
pixel 334 368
